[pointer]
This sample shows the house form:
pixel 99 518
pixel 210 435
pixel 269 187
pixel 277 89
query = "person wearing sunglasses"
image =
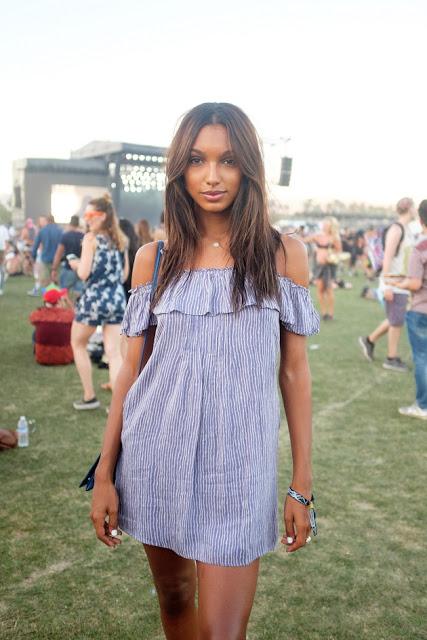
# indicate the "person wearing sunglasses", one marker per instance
pixel 103 266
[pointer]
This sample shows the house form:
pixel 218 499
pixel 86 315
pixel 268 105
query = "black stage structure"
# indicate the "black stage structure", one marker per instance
pixel 134 174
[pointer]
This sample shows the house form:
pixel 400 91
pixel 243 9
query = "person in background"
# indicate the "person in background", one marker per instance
pixel 52 335
pixel 104 266
pixel 399 240
pixel 28 234
pixel 49 238
pixel 143 232
pixel 160 231
pixel 327 244
pixel 416 317
pixel 25 244
pixel 71 244
pixel 36 262
pixel 4 239
pixel 13 260
pixel 133 245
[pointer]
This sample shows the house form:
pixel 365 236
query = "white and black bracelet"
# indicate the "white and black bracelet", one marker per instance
pixel 307 503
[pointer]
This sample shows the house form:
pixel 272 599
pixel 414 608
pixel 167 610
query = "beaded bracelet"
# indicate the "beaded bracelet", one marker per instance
pixel 307 503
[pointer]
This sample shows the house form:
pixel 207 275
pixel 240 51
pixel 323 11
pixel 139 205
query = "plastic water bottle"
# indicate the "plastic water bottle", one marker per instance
pixel 23 431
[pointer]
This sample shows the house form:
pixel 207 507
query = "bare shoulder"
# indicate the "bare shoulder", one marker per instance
pixel 143 266
pixel 293 262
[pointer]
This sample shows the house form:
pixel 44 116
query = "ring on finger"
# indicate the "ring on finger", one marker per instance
pixel 307 540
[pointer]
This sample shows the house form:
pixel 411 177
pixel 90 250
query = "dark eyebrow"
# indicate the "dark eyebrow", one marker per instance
pixel 229 152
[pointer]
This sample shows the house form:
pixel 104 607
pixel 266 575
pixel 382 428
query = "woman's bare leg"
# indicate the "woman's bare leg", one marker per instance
pixel 226 596
pixel 80 334
pixel 321 297
pixel 175 582
pixel 330 300
pixel 112 341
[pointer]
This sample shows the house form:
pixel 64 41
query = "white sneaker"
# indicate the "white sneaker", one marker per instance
pixel 414 411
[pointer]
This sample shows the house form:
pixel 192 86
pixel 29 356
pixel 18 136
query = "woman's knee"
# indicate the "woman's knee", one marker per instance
pixel 176 594
pixel 221 629
pixel 78 341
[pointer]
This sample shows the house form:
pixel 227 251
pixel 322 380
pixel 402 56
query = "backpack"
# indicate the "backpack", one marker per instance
pixel 377 245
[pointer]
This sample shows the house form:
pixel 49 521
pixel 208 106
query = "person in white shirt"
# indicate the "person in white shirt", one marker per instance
pixel 399 241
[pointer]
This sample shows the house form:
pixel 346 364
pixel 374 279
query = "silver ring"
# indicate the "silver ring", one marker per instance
pixel 114 533
pixel 308 539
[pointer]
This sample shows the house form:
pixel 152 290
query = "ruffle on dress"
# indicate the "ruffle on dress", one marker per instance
pixel 208 292
pixel 137 314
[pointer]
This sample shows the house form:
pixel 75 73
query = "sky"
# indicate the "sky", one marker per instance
pixel 344 79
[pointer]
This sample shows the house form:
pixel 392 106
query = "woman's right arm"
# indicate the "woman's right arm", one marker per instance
pixel 105 500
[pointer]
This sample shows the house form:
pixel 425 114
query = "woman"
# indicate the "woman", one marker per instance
pixel 103 266
pixel 143 232
pixel 133 244
pixel 327 244
pixel 196 477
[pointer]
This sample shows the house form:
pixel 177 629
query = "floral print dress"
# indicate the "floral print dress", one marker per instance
pixel 103 299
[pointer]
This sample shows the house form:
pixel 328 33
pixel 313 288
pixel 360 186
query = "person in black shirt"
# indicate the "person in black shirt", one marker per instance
pixel 71 243
pixel 128 229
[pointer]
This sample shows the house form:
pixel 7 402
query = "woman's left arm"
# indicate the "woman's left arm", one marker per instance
pixel 295 387
pixel 337 243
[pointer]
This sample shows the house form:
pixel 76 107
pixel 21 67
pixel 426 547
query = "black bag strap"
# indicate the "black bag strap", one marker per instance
pixel 159 252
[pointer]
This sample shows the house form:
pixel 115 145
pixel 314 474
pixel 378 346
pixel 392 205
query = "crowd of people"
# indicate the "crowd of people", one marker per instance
pixel 393 258
pixel 83 275
pixel 54 257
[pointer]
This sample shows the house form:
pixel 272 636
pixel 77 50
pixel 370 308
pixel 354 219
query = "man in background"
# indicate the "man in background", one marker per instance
pixel 399 241
pixel 48 237
pixel 70 244
pixel 416 318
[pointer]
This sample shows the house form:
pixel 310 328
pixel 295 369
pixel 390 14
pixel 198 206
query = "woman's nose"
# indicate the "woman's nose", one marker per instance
pixel 212 177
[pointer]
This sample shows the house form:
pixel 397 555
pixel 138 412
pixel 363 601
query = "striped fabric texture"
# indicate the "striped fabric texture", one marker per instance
pixel 197 470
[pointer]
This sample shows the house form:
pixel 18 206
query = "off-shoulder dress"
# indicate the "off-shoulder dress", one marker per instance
pixel 197 469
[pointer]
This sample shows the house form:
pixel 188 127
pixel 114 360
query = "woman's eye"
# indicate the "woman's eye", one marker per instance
pixel 230 161
pixel 194 160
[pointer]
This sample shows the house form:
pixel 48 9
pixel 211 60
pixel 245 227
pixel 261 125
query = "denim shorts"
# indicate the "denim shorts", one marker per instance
pixel 396 309
pixel 68 279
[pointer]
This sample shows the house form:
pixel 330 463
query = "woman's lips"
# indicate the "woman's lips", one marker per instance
pixel 213 196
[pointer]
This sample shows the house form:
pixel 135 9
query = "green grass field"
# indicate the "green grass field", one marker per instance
pixel 364 577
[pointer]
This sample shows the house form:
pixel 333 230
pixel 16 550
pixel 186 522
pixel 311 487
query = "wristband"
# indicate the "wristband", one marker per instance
pixel 307 503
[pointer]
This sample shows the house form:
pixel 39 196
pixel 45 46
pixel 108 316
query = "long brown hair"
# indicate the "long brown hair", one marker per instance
pixel 111 224
pixel 253 241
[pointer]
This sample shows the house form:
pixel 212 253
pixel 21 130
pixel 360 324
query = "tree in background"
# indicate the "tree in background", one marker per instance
pixel 5 215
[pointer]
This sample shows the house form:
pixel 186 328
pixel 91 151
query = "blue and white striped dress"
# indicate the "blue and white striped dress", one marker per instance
pixel 197 471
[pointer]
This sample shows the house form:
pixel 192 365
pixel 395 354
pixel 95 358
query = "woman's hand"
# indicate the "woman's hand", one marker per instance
pixel 297 524
pixel 388 295
pixel 105 502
